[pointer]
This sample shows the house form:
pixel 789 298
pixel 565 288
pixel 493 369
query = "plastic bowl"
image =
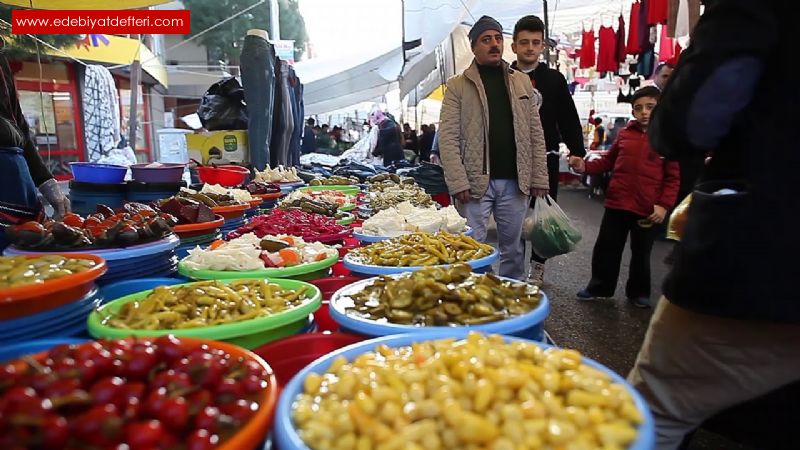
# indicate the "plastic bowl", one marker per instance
pixel 98 173
pixel 223 177
pixel 20 349
pixel 252 434
pixel 345 189
pixel 286 438
pixel 329 286
pixel 198 229
pixel 529 325
pixel 121 289
pixel 164 173
pixel 248 334
pixel 307 271
pixel 35 298
pixel 368 269
pixel 231 212
pixel 358 234
pixel 289 356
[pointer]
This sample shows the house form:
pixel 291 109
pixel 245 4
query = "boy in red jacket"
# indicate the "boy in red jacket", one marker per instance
pixel 643 187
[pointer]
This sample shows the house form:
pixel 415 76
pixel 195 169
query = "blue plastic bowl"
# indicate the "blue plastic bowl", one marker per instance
pixel 286 438
pixel 528 326
pixel 371 239
pixel 478 265
pixel 14 351
pixel 98 173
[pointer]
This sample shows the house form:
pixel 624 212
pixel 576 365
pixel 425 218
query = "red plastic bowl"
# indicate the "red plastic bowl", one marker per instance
pixel 289 356
pixel 329 286
pixel 223 177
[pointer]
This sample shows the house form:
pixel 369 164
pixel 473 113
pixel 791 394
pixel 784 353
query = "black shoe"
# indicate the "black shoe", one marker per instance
pixel 585 295
pixel 640 302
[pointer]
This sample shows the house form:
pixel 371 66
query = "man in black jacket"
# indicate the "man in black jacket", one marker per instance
pixel 559 117
pixel 728 327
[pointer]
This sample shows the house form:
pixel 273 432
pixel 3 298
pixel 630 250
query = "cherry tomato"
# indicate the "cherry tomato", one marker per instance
pixel 240 411
pixel 229 390
pixel 62 351
pixel 62 388
pixel 175 414
pixel 202 440
pixel 9 375
pixel 171 380
pixel 198 400
pixel 142 360
pixel 208 419
pixel 145 434
pixel 55 432
pixel 169 348
pixel 106 390
pixel 101 425
pixel 155 401
pixel 253 384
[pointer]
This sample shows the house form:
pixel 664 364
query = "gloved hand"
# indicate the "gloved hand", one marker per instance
pixel 52 193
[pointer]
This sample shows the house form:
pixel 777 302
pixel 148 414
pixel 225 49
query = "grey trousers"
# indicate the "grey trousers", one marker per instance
pixel 508 204
pixel 258 79
pixel 692 366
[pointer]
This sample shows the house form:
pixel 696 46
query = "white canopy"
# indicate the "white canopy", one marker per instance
pixel 433 38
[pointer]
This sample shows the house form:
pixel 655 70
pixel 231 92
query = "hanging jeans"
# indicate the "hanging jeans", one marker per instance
pixel 278 118
pixel 509 205
pixel 258 79
pixel 288 115
pixel 19 200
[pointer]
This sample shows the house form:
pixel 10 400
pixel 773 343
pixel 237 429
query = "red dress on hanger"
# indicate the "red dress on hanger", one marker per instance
pixel 666 48
pixel 607 56
pixel 633 33
pixel 658 11
pixel 619 46
pixel 588 58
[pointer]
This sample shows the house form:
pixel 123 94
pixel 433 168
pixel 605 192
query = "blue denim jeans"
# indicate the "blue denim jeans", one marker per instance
pixel 509 205
pixel 258 79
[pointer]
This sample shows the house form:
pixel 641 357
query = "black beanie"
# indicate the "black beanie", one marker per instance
pixel 485 23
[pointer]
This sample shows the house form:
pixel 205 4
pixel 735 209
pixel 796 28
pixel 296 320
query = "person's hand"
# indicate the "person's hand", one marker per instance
pixel 52 193
pixel 659 214
pixel 541 193
pixel 577 163
pixel 463 196
pixel 435 159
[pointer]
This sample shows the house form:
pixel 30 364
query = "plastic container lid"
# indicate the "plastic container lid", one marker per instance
pixel 272 272
pixel 341 300
pixel 217 332
pixel 286 438
pixel 388 270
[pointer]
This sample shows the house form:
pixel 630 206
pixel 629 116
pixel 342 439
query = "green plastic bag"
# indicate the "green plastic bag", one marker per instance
pixel 549 230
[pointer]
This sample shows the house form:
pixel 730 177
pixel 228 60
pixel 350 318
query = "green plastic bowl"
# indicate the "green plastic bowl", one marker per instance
pixel 346 220
pixel 301 272
pixel 347 189
pixel 249 334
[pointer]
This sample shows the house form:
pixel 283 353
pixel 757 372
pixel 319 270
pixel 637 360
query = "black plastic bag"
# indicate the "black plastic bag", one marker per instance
pixel 223 106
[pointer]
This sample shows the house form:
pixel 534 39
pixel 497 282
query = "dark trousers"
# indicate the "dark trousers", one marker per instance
pixel 607 255
pixel 258 79
pixel 553 172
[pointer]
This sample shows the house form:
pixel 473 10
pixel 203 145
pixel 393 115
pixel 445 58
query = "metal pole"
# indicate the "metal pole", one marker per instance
pixel 136 75
pixel 275 20
pixel 546 33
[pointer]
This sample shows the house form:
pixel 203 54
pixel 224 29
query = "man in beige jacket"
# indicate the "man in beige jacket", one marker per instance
pixel 491 144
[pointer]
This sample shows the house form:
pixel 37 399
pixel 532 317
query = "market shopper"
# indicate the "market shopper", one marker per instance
pixel 560 121
pixel 643 188
pixel 309 143
pixel 491 144
pixel 662 73
pixel 728 327
pixel 390 142
pixel 22 170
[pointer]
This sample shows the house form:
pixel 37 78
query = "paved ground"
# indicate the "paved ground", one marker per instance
pixel 610 331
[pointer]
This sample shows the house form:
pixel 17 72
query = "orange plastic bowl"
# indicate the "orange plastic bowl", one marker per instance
pixel 274 196
pixel 198 229
pixel 255 203
pixel 34 298
pixel 231 212
pixel 251 435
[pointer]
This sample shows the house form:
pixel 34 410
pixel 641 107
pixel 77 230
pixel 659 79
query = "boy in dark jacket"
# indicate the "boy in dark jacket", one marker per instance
pixel 643 187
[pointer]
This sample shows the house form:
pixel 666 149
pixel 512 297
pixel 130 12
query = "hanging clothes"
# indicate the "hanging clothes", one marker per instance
pixel 588 58
pixel 646 63
pixel 282 122
pixel 644 28
pixel 666 46
pixel 619 49
pixel 657 12
pixel 633 47
pixel 683 16
pixel 101 123
pixel 607 58
pixel 257 67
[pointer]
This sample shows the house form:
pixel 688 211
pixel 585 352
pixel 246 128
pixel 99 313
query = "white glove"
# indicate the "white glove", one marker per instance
pixel 52 193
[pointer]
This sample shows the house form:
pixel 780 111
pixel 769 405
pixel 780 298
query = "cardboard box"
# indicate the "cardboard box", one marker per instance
pixel 218 146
